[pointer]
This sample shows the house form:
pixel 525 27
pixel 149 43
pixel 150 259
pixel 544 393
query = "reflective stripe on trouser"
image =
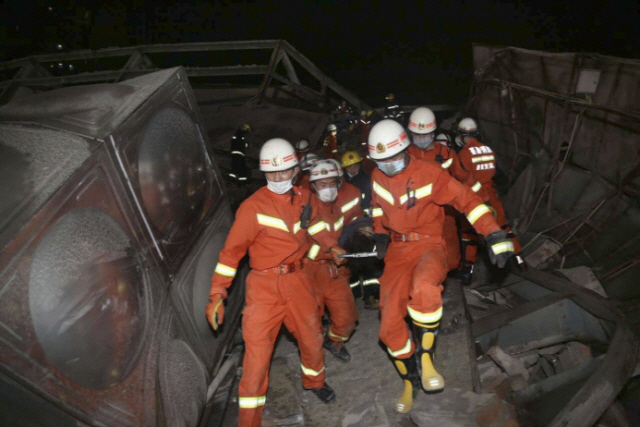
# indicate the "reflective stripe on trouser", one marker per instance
pixel 238 167
pixel 412 269
pixel 272 299
pixel 501 217
pixel 336 294
pixel 450 235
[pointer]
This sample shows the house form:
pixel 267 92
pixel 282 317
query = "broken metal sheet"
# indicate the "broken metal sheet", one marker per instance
pixel 541 251
pixel 583 276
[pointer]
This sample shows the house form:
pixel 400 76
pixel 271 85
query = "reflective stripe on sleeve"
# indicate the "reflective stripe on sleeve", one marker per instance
pixel 351 204
pixel 376 212
pixel 270 221
pixel 502 247
pixel 316 228
pixel 382 193
pixel 420 193
pixel 477 212
pixel 479 159
pixel 476 187
pixel 251 402
pixel 225 270
pixel 425 317
pixel 311 372
pixel 313 252
pixel 339 223
pixel 404 350
pixel 238 152
pixel 370 282
pixel 446 164
pixel 296 227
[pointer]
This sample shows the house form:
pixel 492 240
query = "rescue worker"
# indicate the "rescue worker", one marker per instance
pixel 478 159
pixel 239 171
pixel 337 204
pixel 268 227
pixel 344 109
pixel 302 148
pixel 364 123
pixel 392 110
pixel 366 271
pixel 330 145
pixel 306 162
pixel 408 195
pixel 422 125
pixel 352 165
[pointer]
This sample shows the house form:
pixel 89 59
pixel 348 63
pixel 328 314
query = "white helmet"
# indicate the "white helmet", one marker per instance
pixel 332 128
pixel 443 138
pixel 386 139
pixel 277 154
pixel 324 169
pixel 302 146
pixel 338 166
pixel 467 126
pixel 422 121
pixel 308 160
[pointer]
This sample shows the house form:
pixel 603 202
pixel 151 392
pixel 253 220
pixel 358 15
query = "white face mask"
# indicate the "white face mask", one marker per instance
pixel 392 168
pixel 423 141
pixel 280 187
pixel 328 195
pixel 459 141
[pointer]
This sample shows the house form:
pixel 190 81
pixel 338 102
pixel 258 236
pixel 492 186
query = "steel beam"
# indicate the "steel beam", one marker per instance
pixel 101 76
pixel 153 48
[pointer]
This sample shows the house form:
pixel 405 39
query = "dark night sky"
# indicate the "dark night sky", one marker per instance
pixel 420 50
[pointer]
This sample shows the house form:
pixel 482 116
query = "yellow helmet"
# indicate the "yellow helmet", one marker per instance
pixel 390 97
pixel 350 158
pixel 245 127
pixel 369 112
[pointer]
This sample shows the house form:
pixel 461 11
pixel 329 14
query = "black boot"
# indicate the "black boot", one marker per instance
pixel 325 393
pixel 337 348
pixel 466 274
pixel 426 334
pixel 409 373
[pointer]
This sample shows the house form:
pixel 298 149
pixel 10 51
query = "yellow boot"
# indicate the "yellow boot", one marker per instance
pixel 426 334
pixel 409 374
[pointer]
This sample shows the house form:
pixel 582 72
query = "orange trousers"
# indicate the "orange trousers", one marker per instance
pixel 273 299
pixel 411 283
pixel 332 288
pixel 450 235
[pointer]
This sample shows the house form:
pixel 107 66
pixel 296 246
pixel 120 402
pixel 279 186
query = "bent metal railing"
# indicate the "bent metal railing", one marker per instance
pixel 30 71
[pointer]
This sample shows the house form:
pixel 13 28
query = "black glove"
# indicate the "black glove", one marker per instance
pixel 382 241
pixel 500 248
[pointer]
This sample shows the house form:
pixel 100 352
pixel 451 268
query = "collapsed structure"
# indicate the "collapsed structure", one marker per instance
pixel 566 131
pixel 564 128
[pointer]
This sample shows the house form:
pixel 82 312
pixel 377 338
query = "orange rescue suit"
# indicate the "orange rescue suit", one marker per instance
pixel 330 147
pixel 448 159
pixel 479 160
pixel 267 226
pixel 332 282
pixel 303 180
pixel 408 206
